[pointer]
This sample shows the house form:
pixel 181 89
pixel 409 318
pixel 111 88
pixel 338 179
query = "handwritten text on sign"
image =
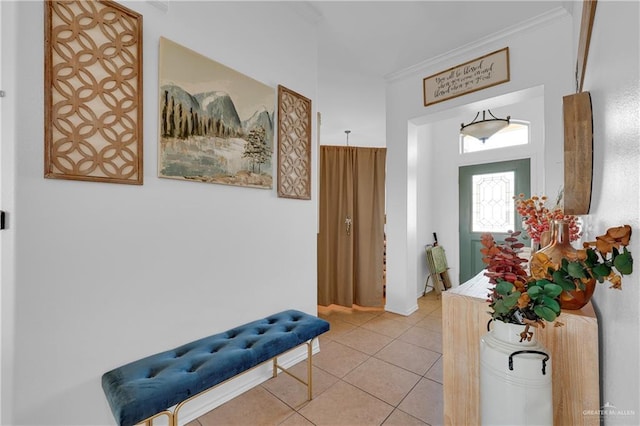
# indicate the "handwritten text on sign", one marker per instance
pixel 480 73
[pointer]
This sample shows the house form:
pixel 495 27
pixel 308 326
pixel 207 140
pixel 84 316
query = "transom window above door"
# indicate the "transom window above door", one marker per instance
pixel 516 133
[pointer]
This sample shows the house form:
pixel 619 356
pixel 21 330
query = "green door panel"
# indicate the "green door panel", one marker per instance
pixel 470 256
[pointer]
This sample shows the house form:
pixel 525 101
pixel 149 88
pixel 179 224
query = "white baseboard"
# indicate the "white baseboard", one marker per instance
pixel 399 311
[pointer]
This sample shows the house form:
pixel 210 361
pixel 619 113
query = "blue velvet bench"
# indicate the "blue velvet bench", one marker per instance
pixel 148 388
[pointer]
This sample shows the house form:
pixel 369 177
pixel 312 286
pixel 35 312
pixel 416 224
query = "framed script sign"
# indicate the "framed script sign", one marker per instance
pixel 486 71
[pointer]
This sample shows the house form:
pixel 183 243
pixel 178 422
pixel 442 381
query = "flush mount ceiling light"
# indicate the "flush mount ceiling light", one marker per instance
pixel 484 128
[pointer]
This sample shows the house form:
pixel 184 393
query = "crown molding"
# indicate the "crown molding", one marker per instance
pixel 521 27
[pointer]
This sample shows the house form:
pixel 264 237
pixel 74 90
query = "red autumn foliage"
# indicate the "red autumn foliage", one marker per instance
pixel 502 259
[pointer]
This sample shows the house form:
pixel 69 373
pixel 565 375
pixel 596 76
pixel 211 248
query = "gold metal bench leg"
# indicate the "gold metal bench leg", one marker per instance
pixel 309 370
pixel 308 383
pixel 172 419
pixel 275 367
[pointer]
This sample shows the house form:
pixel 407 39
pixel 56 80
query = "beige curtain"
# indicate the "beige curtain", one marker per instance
pixel 351 238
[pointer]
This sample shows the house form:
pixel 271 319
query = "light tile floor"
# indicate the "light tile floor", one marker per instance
pixel 373 368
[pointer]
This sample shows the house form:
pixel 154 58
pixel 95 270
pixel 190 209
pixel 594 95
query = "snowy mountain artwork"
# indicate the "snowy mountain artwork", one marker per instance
pixel 215 124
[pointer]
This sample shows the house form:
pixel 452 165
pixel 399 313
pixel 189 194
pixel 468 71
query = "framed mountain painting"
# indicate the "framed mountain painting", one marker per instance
pixel 215 124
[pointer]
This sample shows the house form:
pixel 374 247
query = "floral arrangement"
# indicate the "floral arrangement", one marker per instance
pixel 601 259
pixel 515 297
pixel 537 217
pixel 519 298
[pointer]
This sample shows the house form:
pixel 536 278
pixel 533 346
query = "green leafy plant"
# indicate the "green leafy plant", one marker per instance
pixel 606 259
pixel 515 297
pixel 520 298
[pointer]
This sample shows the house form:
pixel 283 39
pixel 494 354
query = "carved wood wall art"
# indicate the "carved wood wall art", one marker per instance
pixel 93 92
pixel 294 145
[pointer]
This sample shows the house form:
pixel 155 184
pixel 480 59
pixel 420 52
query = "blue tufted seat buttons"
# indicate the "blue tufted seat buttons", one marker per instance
pixel 167 379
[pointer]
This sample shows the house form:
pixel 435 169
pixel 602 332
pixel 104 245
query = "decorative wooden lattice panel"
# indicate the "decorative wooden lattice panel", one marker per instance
pixel 93 92
pixel 294 145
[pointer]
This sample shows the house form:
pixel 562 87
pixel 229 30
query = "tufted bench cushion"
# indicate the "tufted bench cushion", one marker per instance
pixel 144 388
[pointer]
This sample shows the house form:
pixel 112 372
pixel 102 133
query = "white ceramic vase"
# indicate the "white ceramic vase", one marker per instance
pixel 515 379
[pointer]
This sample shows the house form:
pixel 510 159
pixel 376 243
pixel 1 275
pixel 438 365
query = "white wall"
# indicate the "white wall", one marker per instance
pixel 350 101
pixel 428 202
pixel 534 66
pixel 613 79
pixel 103 274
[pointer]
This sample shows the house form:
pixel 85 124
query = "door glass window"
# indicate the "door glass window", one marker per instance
pixel 516 133
pixel 492 205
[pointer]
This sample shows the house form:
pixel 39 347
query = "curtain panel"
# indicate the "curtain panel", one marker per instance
pixel 351 238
